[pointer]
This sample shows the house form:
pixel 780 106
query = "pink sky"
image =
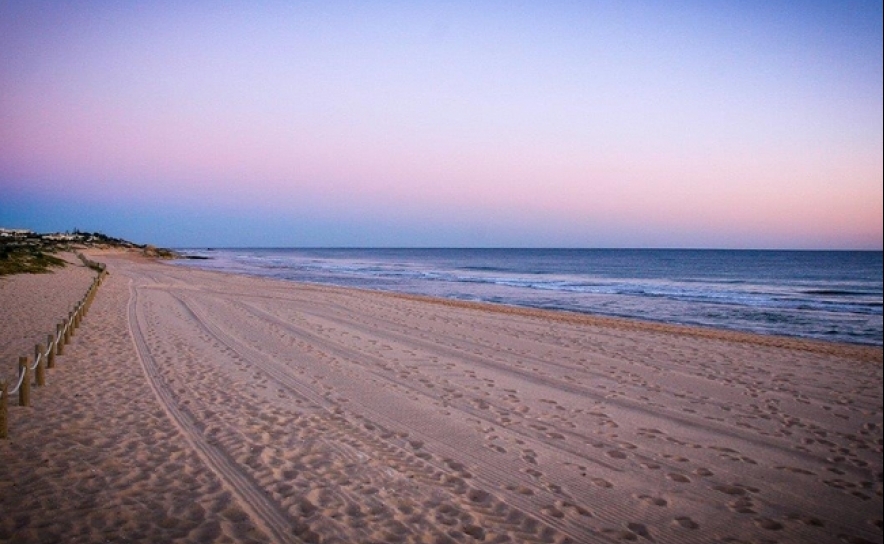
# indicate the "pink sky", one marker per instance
pixel 500 124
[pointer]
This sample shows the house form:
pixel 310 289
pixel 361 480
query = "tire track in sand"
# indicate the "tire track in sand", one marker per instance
pixel 264 513
pixel 517 507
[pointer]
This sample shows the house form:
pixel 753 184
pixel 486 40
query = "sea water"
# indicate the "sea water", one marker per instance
pixel 828 295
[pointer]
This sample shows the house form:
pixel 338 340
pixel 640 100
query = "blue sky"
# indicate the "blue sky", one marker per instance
pixel 553 124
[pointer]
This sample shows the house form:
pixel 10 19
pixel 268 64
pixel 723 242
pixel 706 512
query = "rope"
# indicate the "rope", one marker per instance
pixel 21 378
pixel 36 362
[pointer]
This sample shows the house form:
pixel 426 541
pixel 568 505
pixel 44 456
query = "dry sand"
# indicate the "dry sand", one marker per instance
pixel 202 407
pixel 31 305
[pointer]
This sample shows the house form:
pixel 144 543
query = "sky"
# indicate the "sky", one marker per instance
pixel 682 124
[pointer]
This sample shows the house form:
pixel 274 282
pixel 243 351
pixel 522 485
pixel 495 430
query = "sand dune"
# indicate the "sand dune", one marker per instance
pixel 196 406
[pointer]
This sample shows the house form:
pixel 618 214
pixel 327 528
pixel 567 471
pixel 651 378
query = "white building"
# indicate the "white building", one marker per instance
pixel 14 233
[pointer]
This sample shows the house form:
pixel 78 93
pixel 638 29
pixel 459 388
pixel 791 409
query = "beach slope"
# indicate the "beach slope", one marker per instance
pixel 204 407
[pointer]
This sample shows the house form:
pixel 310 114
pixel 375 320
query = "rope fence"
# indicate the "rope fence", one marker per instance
pixel 45 355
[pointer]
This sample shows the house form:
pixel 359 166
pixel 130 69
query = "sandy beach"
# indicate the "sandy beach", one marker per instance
pixel 194 406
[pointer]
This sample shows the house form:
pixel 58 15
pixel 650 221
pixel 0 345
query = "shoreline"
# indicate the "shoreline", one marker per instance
pixel 793 300
pixel 866 352
pixel 202 406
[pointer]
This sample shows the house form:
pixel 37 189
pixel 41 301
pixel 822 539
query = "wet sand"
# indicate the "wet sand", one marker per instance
pixel 201 407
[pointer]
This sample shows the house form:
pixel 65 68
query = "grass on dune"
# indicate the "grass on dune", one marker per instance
pixel 27 260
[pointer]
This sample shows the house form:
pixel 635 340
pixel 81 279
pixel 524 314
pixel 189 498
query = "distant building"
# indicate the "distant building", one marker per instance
pixel 61 237
pixel 14 233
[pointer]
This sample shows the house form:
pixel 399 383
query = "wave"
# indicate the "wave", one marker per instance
pixel 740 293
pixel 846 306
pixel 835 292
pixel 483 268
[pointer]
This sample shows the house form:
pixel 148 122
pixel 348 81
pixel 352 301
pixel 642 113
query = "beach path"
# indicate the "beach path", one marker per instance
pixel 198 406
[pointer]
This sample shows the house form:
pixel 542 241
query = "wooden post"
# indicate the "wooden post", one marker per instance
pixel 60 335
pixel 40 357
pixel 68 328
pixel 4 410
pixel 24 392
pixel 50 349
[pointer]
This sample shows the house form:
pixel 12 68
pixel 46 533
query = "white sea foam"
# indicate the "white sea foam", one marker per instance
pixel 827 295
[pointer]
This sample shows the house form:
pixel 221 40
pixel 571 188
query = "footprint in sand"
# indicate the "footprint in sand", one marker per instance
pixel 743 505
pixel 552 511
pixel 676 458
pixel 655 501
pixel 808 520
pixel 796 470
pixel 640 529
pixel 737 490
pixel 686 522
pixel 632 533
pixel 675 477
pixel 520 489
pixel 576 508
pixel 533 473
pixel 769 524
pixel 479 496
pixel 475 531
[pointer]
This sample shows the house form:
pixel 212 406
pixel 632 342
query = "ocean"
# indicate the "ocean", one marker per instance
pixel 825 295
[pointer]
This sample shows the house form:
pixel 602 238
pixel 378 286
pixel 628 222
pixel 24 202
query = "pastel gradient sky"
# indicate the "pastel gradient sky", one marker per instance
pixel 699 124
